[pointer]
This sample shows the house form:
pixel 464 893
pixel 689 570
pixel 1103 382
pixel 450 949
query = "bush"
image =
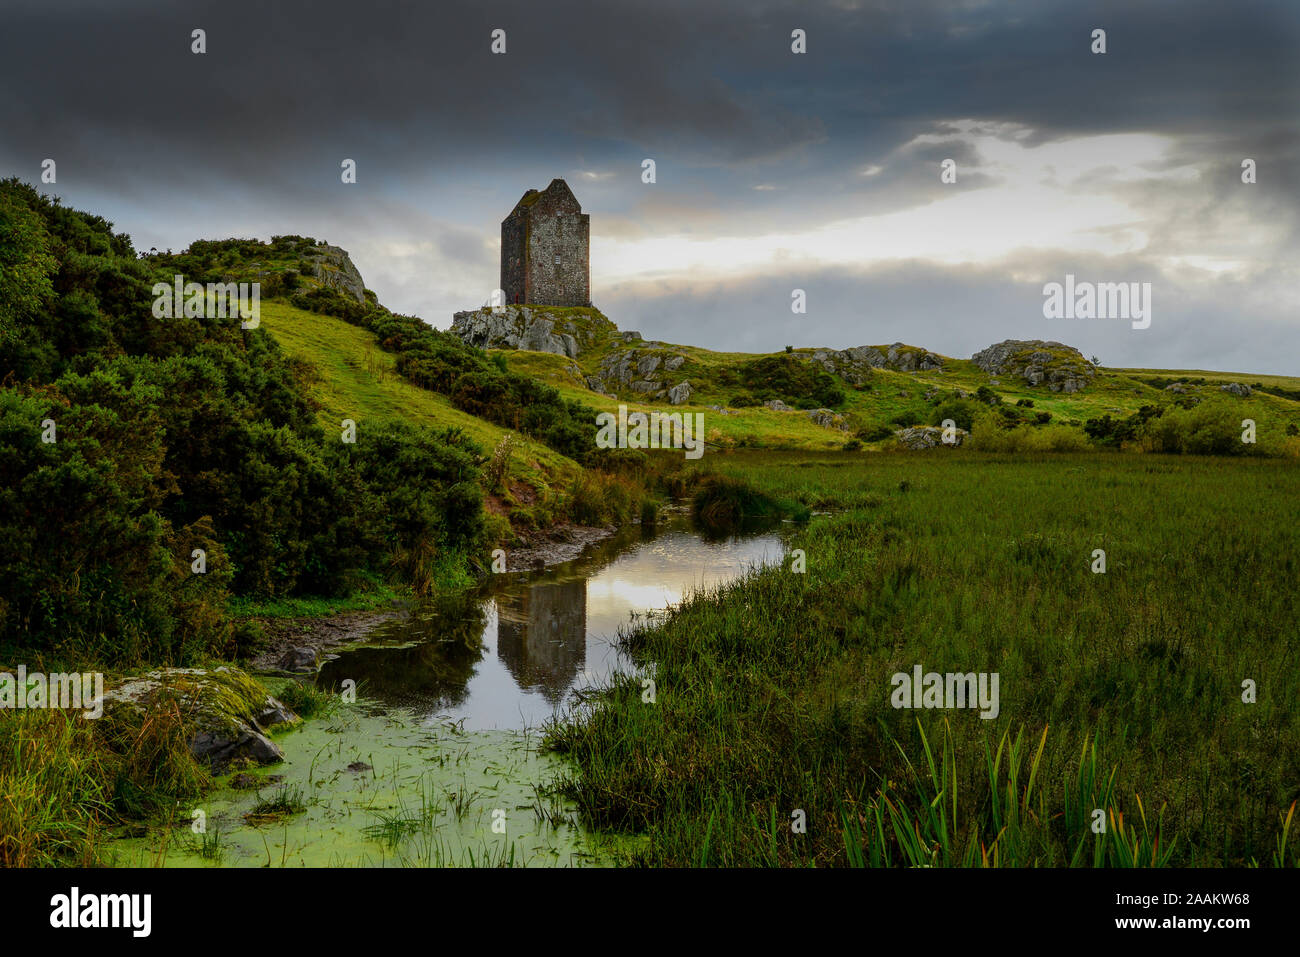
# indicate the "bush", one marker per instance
pixel 796 383
pixel 1207 429
pixel 185 435
pixel 1114 432
pixel 874 433
pixel 1027 439
pixel 961 411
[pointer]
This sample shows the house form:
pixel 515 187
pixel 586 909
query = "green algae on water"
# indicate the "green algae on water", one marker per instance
pixel 381 789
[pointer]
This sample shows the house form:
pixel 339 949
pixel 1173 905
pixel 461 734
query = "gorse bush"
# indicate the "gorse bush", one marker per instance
pixel 960 411
pixel 797 383
pixel 128 443
pixel 1206 429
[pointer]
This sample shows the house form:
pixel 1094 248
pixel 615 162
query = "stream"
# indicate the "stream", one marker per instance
pixel 436 764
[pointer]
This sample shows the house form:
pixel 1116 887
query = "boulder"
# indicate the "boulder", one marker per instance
pixel 828 419
pixel 854 365
pixel 927 437
pixel 225 711
pixel 679 393
pixel 1240 390
pixel 299 661
pixel 776 405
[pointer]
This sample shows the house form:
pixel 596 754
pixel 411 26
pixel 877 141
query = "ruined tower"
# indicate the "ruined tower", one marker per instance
pixel 545 249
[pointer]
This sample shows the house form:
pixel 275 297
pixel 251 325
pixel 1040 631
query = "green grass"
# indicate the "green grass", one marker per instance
pixel 368 595
pixel 355 379
pixel 894 395
pixel 1120 692
pixel 285 801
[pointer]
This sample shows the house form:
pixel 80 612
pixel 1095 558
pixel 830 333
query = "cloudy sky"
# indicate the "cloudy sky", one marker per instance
pixel 775 171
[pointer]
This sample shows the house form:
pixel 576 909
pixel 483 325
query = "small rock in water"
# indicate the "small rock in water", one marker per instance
pixel 301 661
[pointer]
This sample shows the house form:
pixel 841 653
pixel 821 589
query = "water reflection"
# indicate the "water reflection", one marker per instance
pixel 542 636
pixel 510 655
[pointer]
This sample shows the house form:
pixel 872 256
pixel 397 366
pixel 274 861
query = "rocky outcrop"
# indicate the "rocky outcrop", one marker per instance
pixel 333 268
pixel 226 712
pixel 776 405
pixel 1060 367
pixel 928 436
pixel 854 365
pixel 641 371
pixel 679 393
pixel 1239 389
pixel 828 419
pixel 535 328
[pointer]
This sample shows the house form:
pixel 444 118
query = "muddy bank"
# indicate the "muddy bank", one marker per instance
pixel 553 546
pixel 320 633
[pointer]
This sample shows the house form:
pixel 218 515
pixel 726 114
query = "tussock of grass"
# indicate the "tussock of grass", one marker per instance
pixel 722 501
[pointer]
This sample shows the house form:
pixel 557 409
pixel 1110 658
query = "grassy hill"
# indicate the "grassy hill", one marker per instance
pixel 887 399
pixel 867 405
pixel 354 378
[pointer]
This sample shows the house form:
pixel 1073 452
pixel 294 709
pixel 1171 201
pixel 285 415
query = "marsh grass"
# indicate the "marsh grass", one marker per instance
pixel 287 800
pixel 66 780
pixel 1120 692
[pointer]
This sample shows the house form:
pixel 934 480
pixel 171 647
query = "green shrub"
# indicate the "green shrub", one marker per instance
pixel 795 382
pixel 961 411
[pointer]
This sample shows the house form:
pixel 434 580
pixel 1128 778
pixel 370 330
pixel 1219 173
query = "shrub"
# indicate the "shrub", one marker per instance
pixel 1207 429
pixel 960 411
pixel 795 382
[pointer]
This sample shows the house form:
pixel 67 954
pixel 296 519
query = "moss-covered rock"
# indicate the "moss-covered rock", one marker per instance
pixel 225 711
pixel 1060 367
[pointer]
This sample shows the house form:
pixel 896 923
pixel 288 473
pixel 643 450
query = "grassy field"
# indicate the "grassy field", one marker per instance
pixel 1121 693
pixel 898 397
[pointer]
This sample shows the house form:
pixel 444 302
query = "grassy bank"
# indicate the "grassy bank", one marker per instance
pixel 1119 692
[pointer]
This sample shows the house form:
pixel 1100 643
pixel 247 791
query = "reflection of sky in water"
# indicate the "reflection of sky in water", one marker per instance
pixel 556 631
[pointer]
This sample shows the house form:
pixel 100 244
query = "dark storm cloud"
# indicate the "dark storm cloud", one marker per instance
pixel 414 86
pixel 748 138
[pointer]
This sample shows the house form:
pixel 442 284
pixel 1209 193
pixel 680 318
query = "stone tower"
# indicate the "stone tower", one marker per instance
pixel 545 249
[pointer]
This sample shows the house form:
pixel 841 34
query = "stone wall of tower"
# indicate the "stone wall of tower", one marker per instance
pixel 559 266
pixel 545 249
pixel 514 230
